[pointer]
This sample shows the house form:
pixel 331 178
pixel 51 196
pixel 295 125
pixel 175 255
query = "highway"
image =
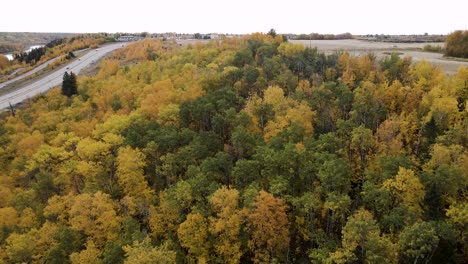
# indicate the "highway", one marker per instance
pixel 38 68
pixel 54 78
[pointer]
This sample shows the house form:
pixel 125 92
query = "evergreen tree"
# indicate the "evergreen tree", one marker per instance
pixel 69 85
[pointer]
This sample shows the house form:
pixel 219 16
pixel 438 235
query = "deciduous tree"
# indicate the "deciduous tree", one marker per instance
pixel 268 228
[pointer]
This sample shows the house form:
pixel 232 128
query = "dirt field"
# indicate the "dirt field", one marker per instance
pixel 381 49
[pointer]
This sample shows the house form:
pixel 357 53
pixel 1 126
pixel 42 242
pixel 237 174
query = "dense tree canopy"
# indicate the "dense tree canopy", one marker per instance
pixel 245 150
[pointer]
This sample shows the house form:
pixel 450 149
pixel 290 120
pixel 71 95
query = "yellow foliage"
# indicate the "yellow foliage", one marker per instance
pixel 227 223
pixel 47 238
pixel 20 248
pixel 425 76
pixel 290 50
pixel 29 144
pixel 143 253
pixel 160 94
pixel 48 158
pixel 286 111
pixel 445 112
pixel 169 115
pixel 114 125
pixel 274 95
pixel 407 188
pixel 193 235
pixel 92 150
pixel 27 218
pixel 443 155
pixel 108 67
pixel 58 207
pixel 130 174
pixel 8 216
pixel 164 218
pixel 268 226
pixel 389 139
pixel 96 216
pixel 6 187
pixel 90 255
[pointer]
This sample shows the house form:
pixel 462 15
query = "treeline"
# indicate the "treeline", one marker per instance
pixel 31 56
pixel 404 38
pixel 250 150
pixel 317 36
pixel 457 44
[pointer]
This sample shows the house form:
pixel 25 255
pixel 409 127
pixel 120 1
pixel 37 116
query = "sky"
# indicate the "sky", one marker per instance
pixel 357 17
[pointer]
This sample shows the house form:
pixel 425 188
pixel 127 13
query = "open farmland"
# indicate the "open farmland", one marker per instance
pixel 414 50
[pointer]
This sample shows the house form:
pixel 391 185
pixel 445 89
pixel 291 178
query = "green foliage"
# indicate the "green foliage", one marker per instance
pixel 69 84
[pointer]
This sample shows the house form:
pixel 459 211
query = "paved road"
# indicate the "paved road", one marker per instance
pixel 38 68
pixel 54 78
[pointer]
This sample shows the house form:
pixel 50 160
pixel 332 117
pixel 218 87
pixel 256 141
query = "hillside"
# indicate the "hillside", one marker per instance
pixel 19 41
pixel 246 150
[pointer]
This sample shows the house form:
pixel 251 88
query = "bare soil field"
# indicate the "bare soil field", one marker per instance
pixel 382 49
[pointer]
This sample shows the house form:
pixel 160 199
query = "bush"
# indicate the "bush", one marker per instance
pixel 457 44
pixel 431 48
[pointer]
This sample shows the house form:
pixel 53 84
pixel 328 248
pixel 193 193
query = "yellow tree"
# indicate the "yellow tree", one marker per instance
pixel 89 255
pixel 226 225
pixel 388 137
pixel 144 253
pixel 8 216
pixel 407 188
pixel 130 175
pixel 164 218
pixel 21 248
pixel 275 112
pixel 193 235
pixel 95 215
pixel 58 207
pixel 268 227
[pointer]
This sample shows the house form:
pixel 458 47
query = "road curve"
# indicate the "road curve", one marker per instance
pixel 54 78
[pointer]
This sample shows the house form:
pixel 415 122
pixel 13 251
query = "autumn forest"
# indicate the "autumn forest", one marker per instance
pixel 242 150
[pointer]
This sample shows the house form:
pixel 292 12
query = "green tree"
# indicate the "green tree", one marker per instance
pixel 69 84
pixel 418 242
pixel 272 32
pixel 362 242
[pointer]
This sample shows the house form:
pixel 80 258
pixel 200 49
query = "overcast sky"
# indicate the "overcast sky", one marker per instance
pixel 235 16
